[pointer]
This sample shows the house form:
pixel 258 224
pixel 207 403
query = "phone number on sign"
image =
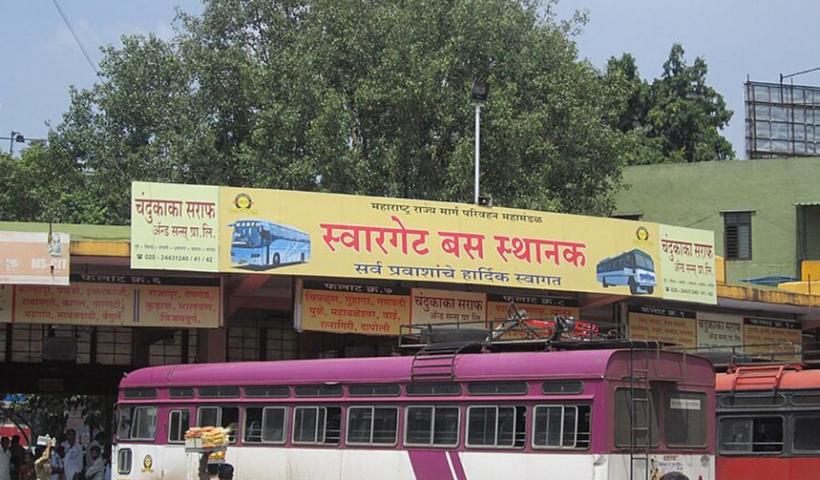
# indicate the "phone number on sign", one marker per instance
pixel 174 258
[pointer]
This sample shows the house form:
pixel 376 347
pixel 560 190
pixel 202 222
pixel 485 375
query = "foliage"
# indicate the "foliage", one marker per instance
pixel 676 118
pixel 48 414
pixel 347 96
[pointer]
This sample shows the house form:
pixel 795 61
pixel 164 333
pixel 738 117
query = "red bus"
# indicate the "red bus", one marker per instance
pixel 768 423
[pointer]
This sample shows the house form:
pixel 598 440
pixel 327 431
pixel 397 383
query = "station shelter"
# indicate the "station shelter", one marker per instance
pixel 217 274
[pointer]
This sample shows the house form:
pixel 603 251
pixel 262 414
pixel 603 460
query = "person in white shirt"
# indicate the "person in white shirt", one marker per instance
pixel 73 459
pixel 96 469
pixel 99 441
pixel 5 459
pixel 57 465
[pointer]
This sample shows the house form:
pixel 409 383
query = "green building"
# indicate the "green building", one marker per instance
pixel 765 213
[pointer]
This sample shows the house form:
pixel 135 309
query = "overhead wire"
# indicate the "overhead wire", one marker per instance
pixel 76 37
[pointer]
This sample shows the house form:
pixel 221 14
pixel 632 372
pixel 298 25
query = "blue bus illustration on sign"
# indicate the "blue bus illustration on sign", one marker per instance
pixel 634 268
pixel 265 245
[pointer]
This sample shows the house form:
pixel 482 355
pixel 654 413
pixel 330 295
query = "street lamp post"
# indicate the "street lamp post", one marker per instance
pixel 479 94
pixel 15 137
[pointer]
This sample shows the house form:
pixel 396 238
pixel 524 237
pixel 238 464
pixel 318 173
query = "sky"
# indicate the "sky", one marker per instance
pixel 759 38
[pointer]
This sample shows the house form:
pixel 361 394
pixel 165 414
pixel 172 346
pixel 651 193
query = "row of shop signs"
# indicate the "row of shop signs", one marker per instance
pixel 713 332
pixel 371 310
pixel 114 301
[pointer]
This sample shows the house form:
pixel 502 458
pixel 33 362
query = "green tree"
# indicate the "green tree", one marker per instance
pixel 676 118
pixel 348 96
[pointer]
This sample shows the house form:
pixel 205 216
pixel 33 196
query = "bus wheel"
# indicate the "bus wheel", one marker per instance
pixel 604 283
pixel 633 289
pixel 650 290
pixel 303 257
pixel 276 259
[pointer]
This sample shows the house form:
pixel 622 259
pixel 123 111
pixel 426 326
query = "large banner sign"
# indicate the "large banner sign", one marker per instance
pixel 688 264
pixel 367 238
pixel 34 258
pixel 174 227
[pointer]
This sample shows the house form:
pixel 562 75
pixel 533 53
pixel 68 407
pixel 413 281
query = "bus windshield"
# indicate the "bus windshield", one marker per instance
pixel 644 262
pixel 247 236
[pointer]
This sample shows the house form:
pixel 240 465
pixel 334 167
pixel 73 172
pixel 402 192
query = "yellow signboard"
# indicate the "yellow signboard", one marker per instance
pixel 34 258
pixel 439 306
pixel 345 308
pixel 174 227
pixel 765 336
pixel 688 264
pixel 719 332
pixel 369 238
pixel 541 308
pixel 663 324
pixel 115 304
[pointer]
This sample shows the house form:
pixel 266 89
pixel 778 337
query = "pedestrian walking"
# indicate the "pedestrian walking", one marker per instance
pixel 5 459
pixel 42 466
pixel 17 452
pixel 27 468
pixel 96 469
pixel 73 459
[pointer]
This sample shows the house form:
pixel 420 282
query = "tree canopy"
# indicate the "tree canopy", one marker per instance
pixel 675 118
pixel 363 97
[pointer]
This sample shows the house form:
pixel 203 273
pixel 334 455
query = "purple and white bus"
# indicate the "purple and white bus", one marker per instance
pixel 602 414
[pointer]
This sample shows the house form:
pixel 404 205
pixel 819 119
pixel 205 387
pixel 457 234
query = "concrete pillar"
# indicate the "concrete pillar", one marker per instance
pixel 212 345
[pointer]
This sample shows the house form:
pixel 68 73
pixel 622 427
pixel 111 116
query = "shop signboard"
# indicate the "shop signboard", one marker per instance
pixel 718 332
pixel 351 308
pixel 174 227
pixel 34 258
pixel 663 324
pixel 688 264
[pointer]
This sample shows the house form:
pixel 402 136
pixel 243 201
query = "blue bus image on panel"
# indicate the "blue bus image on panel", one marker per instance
pixel 264 245
pixel 634 268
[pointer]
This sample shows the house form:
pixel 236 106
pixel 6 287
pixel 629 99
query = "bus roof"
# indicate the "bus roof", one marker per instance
pixel 468 367
pixel 791 378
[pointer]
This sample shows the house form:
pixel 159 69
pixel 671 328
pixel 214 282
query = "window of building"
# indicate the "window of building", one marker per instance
pixel 225 417
pixel 317 425
pixel 562 426
pixel 807 433
pixel 372 425
pixel 750 434
pixel 496 426
pixel 281 341
pixel 243 344
pixel 3 329
pixel 178 423
pixel 27 343
pixel 114 345
pixel 737 228
pixel 144 425
pixel 265 425
pixel 628 216
pixel 432 426
pixel 171 349
pixel 686 419
pixel 646 415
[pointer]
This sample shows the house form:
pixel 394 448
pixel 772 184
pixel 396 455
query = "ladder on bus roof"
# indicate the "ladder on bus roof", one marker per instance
pixel 761 377
pixel 641 406
pixel 437 361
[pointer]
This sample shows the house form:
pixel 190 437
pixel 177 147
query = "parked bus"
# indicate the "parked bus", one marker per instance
pixel 768 422
pixel 634 268
pixel 603 414
pixel 266 244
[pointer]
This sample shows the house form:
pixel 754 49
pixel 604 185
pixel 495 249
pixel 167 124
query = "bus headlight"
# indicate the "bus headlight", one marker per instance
pixel 704 461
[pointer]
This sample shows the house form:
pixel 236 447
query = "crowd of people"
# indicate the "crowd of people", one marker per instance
pixel 62 459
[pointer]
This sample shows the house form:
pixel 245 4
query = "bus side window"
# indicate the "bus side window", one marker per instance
pixel 317 425
pixel 496 426
pixel 124 424
pixel 178 423
pixel 751 434
pixel 225 417
pixel 807 433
